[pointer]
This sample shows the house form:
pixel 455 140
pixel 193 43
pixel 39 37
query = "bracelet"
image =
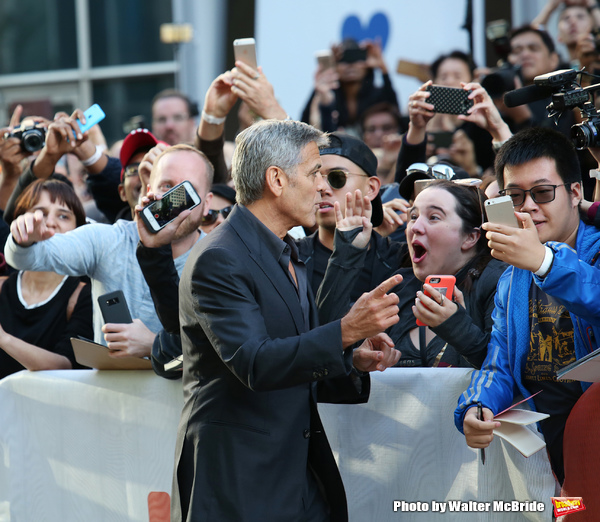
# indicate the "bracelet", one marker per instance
pixel 213 120
pixel 497 145
pixel 93 158
pixel 546 263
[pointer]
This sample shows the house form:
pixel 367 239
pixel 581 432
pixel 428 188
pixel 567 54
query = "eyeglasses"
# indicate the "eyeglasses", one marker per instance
pixel 337 178
pixel 437 171
pixel 213 215
pixel 131 170
pixel 539 194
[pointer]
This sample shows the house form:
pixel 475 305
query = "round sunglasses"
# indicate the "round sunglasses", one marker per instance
pixel 337 178
pixel 212 215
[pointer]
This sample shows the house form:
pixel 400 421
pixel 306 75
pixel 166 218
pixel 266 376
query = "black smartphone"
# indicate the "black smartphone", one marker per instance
pixel 160 213
pixel 449 100
pixel 442 139
pixel 114 307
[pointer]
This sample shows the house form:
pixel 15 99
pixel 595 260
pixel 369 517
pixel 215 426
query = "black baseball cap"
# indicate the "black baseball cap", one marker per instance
pixel 357 152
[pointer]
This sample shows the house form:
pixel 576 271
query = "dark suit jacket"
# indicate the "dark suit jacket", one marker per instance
pixel 250 428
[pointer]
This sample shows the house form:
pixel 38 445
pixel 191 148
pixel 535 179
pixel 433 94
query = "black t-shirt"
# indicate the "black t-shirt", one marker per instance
pixel 552 347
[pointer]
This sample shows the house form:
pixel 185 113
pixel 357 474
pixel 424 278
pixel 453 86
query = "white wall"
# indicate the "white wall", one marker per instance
pixel 289 33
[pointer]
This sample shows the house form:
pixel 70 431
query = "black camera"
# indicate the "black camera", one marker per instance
pixel 501 79
pixel 567 94
pixel 32 136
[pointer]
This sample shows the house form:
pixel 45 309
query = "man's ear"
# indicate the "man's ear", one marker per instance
pixel 207 202
pixel 374 186
pixel 275 180
pixel 576 194
pixel 122 194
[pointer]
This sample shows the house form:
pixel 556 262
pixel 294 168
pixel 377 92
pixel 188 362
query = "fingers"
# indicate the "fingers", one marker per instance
pixel 15 119
pixel 386 286
pixel 459 297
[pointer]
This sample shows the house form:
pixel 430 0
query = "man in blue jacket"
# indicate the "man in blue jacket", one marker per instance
pixel 547 313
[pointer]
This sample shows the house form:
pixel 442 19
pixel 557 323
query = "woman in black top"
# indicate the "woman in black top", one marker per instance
pixel 41 311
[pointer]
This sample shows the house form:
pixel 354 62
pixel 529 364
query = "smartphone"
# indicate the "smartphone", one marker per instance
pixel 93 115
pixel 443 284
pixel 449 100
pixel 442 139
pixel 114 307
pixel 501 210
pixel 325 59
pixel 353 55
pixel 420 185
pixel 244 50
pixel 160 213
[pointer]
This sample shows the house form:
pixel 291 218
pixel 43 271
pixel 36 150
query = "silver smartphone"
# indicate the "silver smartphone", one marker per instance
pixel 160 213
pixel 325 59
pixel 500 210
pixel 244 50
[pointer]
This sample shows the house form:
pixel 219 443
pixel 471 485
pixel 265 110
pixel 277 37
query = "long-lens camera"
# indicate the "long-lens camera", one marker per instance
pixel 566 94
pixel 32 136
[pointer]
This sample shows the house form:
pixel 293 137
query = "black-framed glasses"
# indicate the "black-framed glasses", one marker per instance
pixel 337 178
pixel 539 194
pixel 212 215
pixel 131 170
pixel 437 171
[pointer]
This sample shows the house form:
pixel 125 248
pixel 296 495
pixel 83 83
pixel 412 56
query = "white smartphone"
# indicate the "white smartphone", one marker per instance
pixel 325 59
pixel 500 210
pixel 244 50
pixel 160 213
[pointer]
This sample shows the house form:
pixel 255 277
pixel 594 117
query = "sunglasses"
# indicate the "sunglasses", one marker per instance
pixel 437 171
pixel 337 178
pixel 539 194
pixel 131 170
pixel 213 215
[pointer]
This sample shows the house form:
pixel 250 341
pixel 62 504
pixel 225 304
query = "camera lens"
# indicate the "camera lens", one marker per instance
pixel 33 139
pixel 585 135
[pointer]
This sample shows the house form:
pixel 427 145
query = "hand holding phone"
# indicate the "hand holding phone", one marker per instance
pixel 160 213
pixel 449 100
pixel 444 284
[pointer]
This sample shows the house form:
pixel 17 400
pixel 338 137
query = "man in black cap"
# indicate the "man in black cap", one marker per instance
pixel 347 165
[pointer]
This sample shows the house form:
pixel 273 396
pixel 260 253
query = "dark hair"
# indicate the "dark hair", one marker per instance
pixel 546 38
pixel 378 108
pixel 539 142
pixel 456 55
pixel 57 190
pixel 173 93
pixel 469 208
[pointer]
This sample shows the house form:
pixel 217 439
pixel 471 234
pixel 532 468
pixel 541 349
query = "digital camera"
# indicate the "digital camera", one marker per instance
pixel 32 136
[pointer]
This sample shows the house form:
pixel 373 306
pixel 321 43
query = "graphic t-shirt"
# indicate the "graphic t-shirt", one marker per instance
pixel 551 348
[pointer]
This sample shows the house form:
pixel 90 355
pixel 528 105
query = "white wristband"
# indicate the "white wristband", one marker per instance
pixel 546 263
pixel 93 158
pixel 213 120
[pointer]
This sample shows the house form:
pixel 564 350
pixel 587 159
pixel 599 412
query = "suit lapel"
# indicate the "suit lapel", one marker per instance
pixel 269 266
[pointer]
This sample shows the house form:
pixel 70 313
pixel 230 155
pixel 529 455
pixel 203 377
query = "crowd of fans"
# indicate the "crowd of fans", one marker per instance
pixel 55 265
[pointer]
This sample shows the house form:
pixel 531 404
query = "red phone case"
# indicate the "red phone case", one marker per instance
pixel 441 282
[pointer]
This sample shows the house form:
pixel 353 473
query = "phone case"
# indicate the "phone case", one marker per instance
pixel 500 210
pixel 443 283
pixel 93 115
pixel 114 307
pixel 449 100
pixel 160 213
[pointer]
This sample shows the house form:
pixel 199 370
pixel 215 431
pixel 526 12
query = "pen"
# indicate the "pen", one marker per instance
pixel 480 417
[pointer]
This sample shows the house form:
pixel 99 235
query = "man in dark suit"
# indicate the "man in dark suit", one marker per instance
pixel 251 446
